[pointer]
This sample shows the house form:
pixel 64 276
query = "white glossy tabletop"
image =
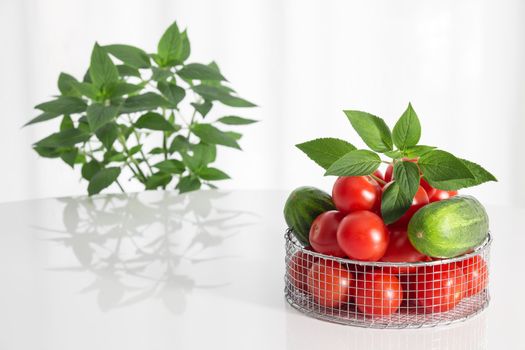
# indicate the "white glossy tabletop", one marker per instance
pixel 157 270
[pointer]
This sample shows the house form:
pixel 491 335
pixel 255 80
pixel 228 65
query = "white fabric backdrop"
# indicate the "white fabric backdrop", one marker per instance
pixel 459 62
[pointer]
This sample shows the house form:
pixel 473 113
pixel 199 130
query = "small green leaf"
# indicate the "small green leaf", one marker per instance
pixel 157 180
pixel 66 138
pixel 69 157
pixel 407 131
pixel 122 88
pixel 417 151
pixel 188 184
pixel 202 108
pixel 127 71
pixel 197 71
pixel 154 121
pixel 325 151
pixel 234 120
pixel 395 154
pixel 173 47
pixel 222 94
pixel 173 93
pixel 99 115
pixel 145 102
pixel 394 203
pixel 373 130
pixel 66 123
pixel 171 166
pixel 90 169
pixel 355 163
pixel 234 135
pixel 129 55
pixel 210 134
pixel 135 149
pixel 407 177
pixel 102 179
pixel 67 85
pixel 42 118
pixel 204 153
pixel 48 152
pixel 102 70
pixel 179 144
pixel 438 165
pixel 107 134
pixel 63 105
pixel 480 176
pixel 88 90
pixel 212 174
pixel 161 74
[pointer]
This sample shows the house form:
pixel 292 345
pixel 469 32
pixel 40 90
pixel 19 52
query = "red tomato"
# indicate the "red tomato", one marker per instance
pixel 419 200
pixel 323 233
pixel 401 250
pixel 378 294
pixel 476 274
pixel 329 283
pixel 298 269
pixel 362 235
pixel 438 195
pixel 353 193
pixel 437 288
pixel 430 190
pixel 389 173
pixel 378 174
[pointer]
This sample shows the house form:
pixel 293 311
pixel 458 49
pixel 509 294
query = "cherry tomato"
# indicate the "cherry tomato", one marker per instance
pixel 476 274
pixel 438 195
pixel 430 190
pixel 379 175
pixel 353 193
pixel 378 294
pixel 323 233
pixel 401 250
pixel 389 173
pixel 329 283
pixel 437 288
pixel 419 200
pixel 299 266
pixel 362 235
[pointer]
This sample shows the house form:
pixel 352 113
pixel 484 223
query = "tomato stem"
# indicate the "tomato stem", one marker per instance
pixel 378 179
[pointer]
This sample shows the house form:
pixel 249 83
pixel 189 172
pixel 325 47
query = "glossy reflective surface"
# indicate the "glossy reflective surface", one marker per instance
pixel 157 270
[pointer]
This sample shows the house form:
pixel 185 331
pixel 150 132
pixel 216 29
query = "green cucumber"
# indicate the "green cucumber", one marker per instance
pixel 449 228
pixel 303 205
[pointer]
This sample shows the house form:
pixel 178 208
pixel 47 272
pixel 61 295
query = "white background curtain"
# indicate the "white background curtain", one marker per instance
pixel 460 63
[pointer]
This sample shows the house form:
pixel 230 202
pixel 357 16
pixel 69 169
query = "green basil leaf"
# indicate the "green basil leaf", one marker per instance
pixel 325 151
pixel 127 71
pixel 157 180
pixel 197 71
pixel 173 93
pixel 99 115
pixel 89 169
pixel 234 120
pixel 47 152
pixel 170 47
pixel 129 55
pixel 67 85
pixel 188 184
pixel 222 94
pixel 355 163
pixel 63 105
pixel 102 179
pixel 395 154
pixel 202 108
pixel 480 176
pixel 373 130
pixel 204 153
pixel 69 157
pixel 145 102
pixel 407 177
pixel 88 90
pixel 438 165
pixel 122 88
pixel 102 70
pixel 171 166
pixel 394 203
pixel 210 134
pixel 417 151
pixel 179 144
pixel 66 123
pixel 407 131
pixel 107 134
pixel 212 174
pixel 154 121
pixel 42 118
pixel 66 138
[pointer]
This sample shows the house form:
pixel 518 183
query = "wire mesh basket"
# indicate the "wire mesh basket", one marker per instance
pixel 385 294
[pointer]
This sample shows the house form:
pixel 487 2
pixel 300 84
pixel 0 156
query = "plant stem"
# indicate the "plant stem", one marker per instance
pixel 378 179
pixel 120 186
pixel 138 142
pixel 165 145
pixel 133 160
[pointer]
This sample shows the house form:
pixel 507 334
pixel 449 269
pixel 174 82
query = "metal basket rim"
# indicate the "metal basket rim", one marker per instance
pixel 481 248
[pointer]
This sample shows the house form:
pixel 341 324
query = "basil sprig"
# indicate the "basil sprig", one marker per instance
pixel 440 169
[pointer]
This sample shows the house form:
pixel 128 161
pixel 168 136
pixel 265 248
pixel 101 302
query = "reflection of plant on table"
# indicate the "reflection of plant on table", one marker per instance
pixel 139 249
pixel 106 117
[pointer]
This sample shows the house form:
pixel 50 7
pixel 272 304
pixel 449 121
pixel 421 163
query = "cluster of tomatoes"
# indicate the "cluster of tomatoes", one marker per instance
pixel 357 231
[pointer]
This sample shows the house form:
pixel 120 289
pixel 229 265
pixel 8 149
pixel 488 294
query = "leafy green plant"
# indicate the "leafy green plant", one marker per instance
pixel 106 117
pixel 440 169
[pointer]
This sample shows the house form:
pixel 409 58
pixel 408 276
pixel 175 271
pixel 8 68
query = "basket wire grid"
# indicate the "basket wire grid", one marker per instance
pixel 383 294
